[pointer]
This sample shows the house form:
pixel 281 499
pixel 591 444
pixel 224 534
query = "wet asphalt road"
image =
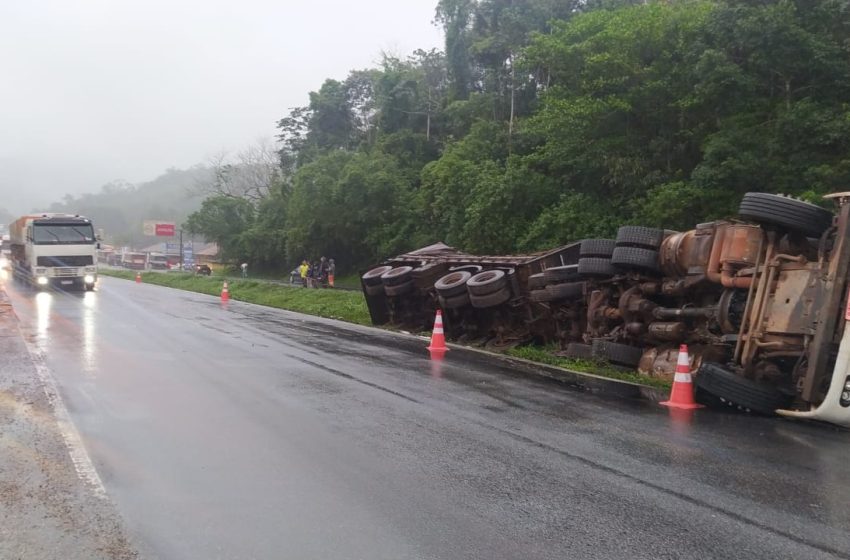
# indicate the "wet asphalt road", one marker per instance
pixel 247 432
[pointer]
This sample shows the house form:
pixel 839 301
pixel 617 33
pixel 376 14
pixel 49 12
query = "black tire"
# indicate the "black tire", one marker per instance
pixel 636 258
pixel 487 282
pixel 429 270
pixel 453 302
pixel 490 300
pixel 597 248
pixel 620 354
pixel 397 276
pixel 425 275
pixel 558 274
pixel 639 236
pixel 733 389
pixel 578 350
pixel 374 289
pixel 540 296
pixel 453 283
pixel 536 281
pixel 399 289
pixel 572 290
pixel 787 213
pixel 594 267
pixel 373 277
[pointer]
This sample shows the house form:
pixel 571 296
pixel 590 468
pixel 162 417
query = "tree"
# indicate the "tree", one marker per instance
pixel 249 175
pixel 224 220
pixel 456 17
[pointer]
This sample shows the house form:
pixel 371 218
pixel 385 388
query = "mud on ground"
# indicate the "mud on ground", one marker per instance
pixel 47 511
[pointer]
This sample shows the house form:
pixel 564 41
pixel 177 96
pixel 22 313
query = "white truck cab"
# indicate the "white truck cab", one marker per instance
pixel 58 250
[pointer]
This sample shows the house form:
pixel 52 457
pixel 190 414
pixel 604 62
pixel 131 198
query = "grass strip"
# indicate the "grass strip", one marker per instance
pixel 332 304
pixel 351 307
pixel 546 355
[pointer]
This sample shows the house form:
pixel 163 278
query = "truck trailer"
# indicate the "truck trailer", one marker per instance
pixel 56 250
pixel 761 300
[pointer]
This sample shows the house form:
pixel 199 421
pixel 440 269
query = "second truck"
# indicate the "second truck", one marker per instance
pixel 57 250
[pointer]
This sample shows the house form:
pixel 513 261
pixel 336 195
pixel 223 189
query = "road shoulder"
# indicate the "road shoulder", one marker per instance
pixel 47 510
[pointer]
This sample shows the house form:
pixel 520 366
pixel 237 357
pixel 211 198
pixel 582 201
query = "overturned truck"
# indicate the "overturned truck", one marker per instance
pixel 761 301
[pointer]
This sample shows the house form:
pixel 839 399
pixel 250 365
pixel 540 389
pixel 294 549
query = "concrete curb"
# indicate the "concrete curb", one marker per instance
pixel 589 382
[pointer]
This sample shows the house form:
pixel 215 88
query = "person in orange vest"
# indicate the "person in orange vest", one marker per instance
pixel 331 272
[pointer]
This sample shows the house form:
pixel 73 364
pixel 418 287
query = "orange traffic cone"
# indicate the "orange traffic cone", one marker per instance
pixel 138 278
pixel 225 293
pixel 438 338
pixel 682 394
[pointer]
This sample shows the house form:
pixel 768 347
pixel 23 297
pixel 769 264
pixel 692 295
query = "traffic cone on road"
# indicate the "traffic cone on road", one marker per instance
pixel 438 337
pixel 682 394
pixel 225 293
pixel 138 278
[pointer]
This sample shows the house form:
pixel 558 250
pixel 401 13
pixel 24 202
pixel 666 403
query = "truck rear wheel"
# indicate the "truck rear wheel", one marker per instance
pixel 620 354
pixel 785 212
pixel 639 236
pixel 736 390
pixel 594 267
pixel 636 258
pixel 602 248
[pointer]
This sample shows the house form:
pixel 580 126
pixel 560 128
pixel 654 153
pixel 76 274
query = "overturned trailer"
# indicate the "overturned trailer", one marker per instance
pixel 761 301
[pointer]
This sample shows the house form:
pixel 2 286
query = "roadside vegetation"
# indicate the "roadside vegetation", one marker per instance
pixel 333 304
pixel 547 356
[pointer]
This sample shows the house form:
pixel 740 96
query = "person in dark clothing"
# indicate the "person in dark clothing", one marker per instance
pixel 309 278
pixel 317 274
pixel 323 272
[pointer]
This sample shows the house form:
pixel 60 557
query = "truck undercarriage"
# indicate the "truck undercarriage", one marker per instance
pixel 759 300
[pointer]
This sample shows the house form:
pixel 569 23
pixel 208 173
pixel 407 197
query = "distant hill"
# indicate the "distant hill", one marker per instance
pixel 120 208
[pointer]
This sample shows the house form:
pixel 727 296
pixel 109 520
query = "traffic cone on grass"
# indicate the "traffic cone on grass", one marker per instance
pixel 438 337
pixel 138 278
pixel 682 394
pixel 225 293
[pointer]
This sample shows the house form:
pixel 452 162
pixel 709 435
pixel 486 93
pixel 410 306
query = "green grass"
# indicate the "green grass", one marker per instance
pixel 333 304
pixel 545 355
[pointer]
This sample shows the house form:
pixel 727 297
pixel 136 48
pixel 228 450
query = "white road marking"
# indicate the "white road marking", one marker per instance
pixel 73 442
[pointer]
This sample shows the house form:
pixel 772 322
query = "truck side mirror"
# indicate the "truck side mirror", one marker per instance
pixel 97 245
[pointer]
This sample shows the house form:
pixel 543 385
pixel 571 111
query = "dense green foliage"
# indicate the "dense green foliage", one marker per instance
pixel 547 120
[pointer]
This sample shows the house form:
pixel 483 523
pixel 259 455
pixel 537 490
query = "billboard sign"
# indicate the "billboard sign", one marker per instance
pixel 165 230
pixel 188 254
pixel 159 229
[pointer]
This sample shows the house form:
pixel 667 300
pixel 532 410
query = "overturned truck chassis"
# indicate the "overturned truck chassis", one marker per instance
pixel 759 301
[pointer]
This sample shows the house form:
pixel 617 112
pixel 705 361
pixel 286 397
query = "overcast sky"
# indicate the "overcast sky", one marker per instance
pixel 97 90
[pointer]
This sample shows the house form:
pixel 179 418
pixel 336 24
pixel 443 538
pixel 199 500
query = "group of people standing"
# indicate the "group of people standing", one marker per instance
pixel 318 275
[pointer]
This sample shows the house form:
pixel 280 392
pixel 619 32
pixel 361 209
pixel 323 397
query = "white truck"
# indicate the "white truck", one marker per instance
pixel 56 250
pixel 5 252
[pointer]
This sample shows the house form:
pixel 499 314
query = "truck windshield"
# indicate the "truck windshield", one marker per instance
pixel 62 234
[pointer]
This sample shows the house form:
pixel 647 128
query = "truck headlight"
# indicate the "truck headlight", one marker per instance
pixel 4 262
pixel 88 279
pixel 41 280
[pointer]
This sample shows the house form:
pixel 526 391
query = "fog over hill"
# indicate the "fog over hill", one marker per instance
pixel 120 208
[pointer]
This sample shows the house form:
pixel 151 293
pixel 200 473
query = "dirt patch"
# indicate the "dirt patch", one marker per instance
pixel 46 510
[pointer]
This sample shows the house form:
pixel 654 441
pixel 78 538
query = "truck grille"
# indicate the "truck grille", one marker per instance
pixel 65 272
pixel 71 260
